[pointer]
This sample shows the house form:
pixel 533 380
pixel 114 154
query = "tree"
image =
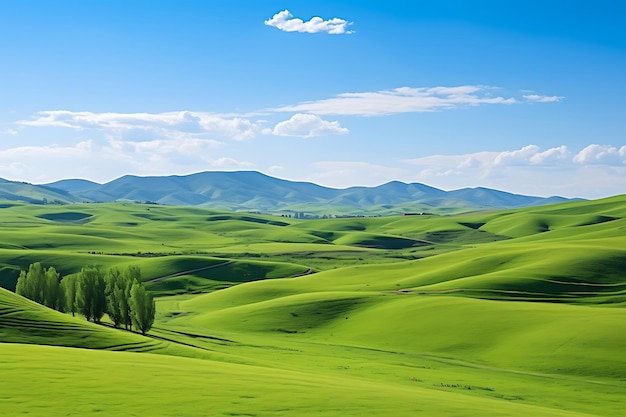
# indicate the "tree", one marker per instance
pixel 131 274
pixel 115 295
pixel 53 296
pixel 143 307
pixel 69 288
pixel 31 284
pixel 41 286
pixel 22 286
pixel 91 293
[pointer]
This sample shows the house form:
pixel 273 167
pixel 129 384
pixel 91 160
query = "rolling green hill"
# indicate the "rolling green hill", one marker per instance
pixel 510 313
pixel 24 321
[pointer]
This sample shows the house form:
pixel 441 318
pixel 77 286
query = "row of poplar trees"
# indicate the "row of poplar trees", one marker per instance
pixel 92 293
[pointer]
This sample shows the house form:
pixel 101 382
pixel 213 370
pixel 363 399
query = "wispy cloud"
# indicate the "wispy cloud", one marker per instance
pixel 307 125
pixel 101 159
pixel 401 100
pixel 164 124
pixel 537 98
pixel 285 21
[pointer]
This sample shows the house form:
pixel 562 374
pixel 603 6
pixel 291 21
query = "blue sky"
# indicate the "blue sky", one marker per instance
pixel 523 96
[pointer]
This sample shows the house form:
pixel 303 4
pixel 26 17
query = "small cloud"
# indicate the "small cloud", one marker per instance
pixel 308 125
pixel 601 154
pixel 531 155
pixel 537 98
pixel 286 22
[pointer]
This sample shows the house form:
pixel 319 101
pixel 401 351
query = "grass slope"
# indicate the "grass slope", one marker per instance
pixel 24 321
pixel 490 313
pixel 96 383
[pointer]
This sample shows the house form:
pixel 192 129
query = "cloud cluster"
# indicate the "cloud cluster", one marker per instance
pixel 596 170
pixel 530 155
pixel 189 141
pixel 602 155
pixel 285 21
pixel 183 124
pixel 305 122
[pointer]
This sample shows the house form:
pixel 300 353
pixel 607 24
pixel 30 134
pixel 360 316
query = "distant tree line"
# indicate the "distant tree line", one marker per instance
pixel 92 293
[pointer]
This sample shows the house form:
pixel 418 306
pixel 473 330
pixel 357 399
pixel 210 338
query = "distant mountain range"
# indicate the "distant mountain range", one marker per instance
pixel 253 191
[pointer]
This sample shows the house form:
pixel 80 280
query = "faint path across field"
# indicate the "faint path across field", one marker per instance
pixel 191 271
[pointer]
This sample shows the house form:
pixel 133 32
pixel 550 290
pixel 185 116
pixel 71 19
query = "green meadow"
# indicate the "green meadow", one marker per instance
pixel 496 313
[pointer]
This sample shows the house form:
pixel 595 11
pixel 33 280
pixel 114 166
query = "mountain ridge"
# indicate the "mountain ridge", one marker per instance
pixel 253 190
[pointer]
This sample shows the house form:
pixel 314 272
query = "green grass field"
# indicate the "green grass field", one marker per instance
pixel 502 313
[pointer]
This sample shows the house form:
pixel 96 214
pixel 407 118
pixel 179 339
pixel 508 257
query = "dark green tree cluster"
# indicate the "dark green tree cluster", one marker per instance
pixel 92 293
pixel 42 286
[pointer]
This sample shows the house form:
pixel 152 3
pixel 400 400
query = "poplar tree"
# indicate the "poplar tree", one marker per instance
pixel 91 293
pixel 131 275
pixel 31 284
pixel 22 287
pixel 143 307
pixel 69 288
pixel 41 286
pixel 115 295
pixel 53 296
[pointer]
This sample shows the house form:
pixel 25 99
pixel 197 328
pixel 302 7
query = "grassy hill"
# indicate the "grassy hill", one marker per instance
pixel 24 321
pixel 507 313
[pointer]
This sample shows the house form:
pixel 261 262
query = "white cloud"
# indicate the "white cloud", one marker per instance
pixel 400 100
pixel 163 124
pixel 537 98
pixel 104 160
pixel 601 154
pixel 551 155
pixel 308 125
pixel 532 155
pixel 285 21
pixel 529 170
pixel 451 172
pixel 486 162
